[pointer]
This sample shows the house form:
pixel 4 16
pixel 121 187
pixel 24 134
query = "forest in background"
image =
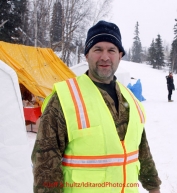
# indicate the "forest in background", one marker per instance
pixel 62 26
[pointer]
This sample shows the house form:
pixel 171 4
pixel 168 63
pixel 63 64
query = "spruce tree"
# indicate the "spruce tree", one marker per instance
pixel 136 48
pixel 11 11
pixel 56 27
pixel 22 7
pixel 5 30
pixel 129 55
pixel 173 52
pixel 159 52
pixel 152 54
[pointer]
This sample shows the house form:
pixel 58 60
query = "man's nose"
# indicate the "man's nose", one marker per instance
pixel 104 56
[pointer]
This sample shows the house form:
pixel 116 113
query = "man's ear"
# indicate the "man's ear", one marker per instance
pixel 120 55
pixel 86 56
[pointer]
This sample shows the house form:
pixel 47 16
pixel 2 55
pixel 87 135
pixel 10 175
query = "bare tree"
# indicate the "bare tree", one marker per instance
pixel 77 17
pixel 40 20
pixel 101 9
pixel 73 17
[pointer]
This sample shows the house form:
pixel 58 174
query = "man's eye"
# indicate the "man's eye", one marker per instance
pixel 98 49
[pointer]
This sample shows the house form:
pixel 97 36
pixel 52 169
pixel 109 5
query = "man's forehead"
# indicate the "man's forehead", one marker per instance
pixel 105 44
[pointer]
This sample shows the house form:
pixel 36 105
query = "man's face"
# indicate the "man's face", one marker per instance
pixel 103 60
pixel 171 74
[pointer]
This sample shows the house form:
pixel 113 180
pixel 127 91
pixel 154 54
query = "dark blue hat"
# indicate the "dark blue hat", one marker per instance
pixel 103 32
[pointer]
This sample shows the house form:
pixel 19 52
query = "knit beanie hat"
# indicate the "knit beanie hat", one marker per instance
pixel 103 32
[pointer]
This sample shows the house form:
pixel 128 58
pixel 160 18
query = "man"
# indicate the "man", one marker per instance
pixel 170 86
pixel 91 136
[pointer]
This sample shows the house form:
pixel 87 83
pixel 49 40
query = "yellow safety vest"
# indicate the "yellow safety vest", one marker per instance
pixel 95 160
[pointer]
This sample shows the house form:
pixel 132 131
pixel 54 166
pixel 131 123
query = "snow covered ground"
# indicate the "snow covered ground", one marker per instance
pixel 160 127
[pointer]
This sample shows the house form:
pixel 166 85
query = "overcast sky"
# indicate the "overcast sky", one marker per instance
pixel 154 17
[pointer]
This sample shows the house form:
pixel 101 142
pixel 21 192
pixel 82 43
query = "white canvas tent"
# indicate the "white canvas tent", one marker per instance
pixel 122 75
pixel 15 165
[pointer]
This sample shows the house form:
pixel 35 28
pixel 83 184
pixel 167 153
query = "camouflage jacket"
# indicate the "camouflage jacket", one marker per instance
pixel 52 140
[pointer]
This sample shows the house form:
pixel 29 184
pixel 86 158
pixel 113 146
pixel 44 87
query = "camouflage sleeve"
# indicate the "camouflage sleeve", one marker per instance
pixel 148 174
pixel 48 150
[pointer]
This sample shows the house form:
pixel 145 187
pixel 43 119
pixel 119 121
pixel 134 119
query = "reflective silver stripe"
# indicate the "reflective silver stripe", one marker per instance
pixel 98 161
pixel 140 111
pixel 94 161
pixel 78 100
pixel 101 35
pixel 138 106
pixel 132 157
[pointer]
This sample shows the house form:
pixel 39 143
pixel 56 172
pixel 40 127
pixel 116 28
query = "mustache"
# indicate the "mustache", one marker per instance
pixel 104 63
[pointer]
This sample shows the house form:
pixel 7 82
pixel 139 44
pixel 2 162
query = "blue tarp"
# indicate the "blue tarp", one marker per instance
pixel 137 90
